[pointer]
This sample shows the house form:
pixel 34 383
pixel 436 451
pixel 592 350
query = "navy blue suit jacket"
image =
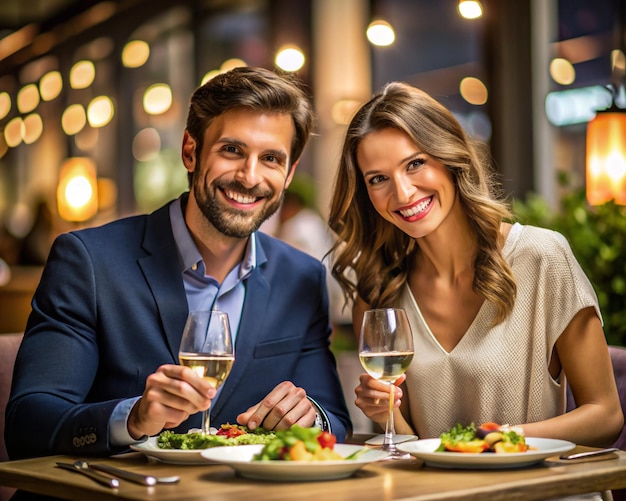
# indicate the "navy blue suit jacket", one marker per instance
pixel 110 309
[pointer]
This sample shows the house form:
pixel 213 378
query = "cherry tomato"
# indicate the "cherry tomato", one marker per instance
pixel 326 440
pixel 231 431
pixel 486 428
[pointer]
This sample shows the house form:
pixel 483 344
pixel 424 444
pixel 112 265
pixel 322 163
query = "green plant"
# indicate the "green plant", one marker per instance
pixel 597 235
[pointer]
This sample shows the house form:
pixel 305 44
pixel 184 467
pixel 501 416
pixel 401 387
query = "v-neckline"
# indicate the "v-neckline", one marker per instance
pixel 431 333
pixel 509 243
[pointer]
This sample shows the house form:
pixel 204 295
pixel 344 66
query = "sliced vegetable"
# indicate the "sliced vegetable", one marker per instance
pixel 471 446
pixel 300 444
pixel 488 437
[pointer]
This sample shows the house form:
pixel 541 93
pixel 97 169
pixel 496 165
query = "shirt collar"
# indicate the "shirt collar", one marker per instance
pixel 189 256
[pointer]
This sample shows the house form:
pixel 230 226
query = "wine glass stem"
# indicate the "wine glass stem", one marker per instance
pixel 388 444
pixel 206 423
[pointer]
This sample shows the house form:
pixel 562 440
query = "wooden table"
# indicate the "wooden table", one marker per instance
pixel 405 480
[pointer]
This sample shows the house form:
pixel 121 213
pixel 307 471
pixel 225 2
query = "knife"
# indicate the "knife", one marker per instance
pixel 113 483
pixel 589 454
pixel 132 476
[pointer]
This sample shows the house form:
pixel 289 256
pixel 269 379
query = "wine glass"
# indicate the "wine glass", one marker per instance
pixel 385 352
pixel 207 348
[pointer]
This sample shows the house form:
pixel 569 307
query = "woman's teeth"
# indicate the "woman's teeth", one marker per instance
pixel 421 207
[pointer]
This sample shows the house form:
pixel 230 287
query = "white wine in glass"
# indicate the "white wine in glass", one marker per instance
pixel 207 348
pixel 385 352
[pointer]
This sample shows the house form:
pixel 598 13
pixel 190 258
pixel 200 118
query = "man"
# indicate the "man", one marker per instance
pixel 97 370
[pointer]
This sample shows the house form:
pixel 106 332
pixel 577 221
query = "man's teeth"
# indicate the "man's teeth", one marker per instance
pixel 238 197
pixel 417 209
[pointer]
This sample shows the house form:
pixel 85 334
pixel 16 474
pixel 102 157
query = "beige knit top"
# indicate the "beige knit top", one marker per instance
pixel 501 374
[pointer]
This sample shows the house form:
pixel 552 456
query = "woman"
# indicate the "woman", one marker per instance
pixel 500 312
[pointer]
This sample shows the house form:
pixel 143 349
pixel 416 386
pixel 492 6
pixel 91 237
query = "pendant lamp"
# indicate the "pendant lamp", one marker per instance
pixel 606 133
pixel 606 157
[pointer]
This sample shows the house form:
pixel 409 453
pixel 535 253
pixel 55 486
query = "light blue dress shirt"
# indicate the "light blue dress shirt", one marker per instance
pixel 203 292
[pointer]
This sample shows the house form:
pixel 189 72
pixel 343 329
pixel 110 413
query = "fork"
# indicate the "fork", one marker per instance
pixel 113 483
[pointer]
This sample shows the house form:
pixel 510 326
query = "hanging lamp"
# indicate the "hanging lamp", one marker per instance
pixel 606 157
pixel 606 133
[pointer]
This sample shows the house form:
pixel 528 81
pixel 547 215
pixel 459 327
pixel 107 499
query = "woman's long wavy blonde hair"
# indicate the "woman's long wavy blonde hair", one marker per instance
pixel 372 256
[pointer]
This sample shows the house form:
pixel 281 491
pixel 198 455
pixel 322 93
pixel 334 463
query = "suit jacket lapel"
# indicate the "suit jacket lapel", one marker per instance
pixel 162 273
pixel 252 323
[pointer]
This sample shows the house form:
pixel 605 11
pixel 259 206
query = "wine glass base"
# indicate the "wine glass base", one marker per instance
pixel 396 439
pixel 397 457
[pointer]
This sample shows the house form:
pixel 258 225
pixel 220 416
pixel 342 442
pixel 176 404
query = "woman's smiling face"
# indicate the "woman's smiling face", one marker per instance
pixel 406 186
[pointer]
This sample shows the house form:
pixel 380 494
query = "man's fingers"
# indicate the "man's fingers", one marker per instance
pixel 284 398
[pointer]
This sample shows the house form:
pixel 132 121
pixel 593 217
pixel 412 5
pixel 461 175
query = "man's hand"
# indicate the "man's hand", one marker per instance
pixel 172 394
pixel 284 406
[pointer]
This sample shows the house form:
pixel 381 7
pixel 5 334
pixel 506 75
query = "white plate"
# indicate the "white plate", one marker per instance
pixel 544 448
pixel 174 456
pixel 240 458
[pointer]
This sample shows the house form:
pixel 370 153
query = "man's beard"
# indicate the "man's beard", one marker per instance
pixel 228 220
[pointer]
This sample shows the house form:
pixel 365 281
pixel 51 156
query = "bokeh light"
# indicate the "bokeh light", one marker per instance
pixel 146 144
pixel 231 64
pixel 27 98
pixel 157 99
pixel 50 85
pixel 473 91
pixel 74 119
pixel 470 9
pixel 100 111
pixel 14 132
pixel 290 58
pixel 562 71
pixel 5 104
pixel 135 54
pixel 33 128
pixel 82 74
pixel 381 33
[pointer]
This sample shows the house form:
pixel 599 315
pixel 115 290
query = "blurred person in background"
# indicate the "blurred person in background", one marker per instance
pixel 301 225
pixel 36 244
pixel 502 314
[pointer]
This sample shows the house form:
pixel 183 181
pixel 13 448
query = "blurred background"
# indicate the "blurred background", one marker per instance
pixel 94 93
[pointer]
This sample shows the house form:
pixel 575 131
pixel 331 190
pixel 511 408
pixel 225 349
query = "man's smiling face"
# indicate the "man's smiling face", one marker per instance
pixel 240 176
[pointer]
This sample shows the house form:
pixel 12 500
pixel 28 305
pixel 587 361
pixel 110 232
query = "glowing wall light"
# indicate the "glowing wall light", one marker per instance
pixel 77 193
pixel 606 157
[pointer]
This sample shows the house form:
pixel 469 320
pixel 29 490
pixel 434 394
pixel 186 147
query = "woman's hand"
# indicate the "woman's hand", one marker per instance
pixel 372 397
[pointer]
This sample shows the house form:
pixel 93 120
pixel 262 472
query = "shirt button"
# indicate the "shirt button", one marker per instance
pixel 194 267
